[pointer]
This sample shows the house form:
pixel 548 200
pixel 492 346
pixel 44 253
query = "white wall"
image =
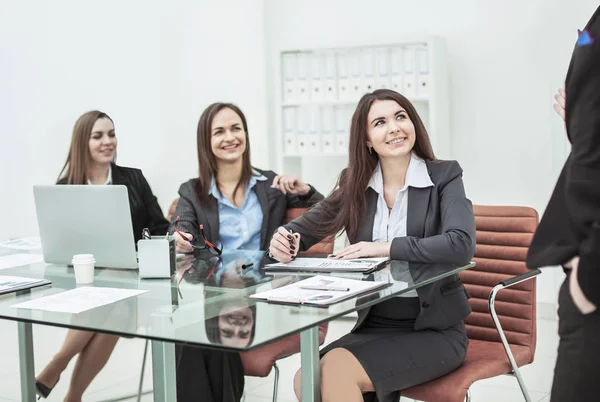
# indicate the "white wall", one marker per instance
pixel 152 66
pixel 506 60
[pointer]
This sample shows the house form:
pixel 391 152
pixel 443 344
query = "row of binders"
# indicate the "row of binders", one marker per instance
pixel 316 129
pixel 336 75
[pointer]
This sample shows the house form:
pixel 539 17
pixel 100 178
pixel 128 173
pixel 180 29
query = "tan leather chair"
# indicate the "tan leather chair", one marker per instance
pixel 502 327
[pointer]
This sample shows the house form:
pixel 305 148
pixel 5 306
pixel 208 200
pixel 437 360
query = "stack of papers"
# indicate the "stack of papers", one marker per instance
pixel 10 284
pixel 362 265
pixel 319 291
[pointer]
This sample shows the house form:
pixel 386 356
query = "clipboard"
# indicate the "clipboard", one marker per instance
pixel 314 291
pixel 9 284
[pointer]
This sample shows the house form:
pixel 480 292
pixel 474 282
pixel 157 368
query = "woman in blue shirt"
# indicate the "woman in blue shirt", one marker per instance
pixel 234 206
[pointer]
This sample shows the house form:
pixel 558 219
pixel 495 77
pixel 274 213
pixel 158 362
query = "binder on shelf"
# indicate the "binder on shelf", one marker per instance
pixel 342 123
pixel 302 66
pixel 329 83
pixel 409 79
pixel 316 77
pixel 301 130
pixel 368 63
pixel 327 127
pixel 288 61
pixel 356 89
pixel 343 70
pixel 422 59
pixel 383 69
pixel 396 69
pixel 289 134
pixel 314 135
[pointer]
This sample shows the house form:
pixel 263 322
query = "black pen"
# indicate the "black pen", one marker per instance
pixel 245 266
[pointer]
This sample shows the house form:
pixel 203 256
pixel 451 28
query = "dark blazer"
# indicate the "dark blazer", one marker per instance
pixel 570 225
pixel 273 202
pixel 145 211
pixel 440 229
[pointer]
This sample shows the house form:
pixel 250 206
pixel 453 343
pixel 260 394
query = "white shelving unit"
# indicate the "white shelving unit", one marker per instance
pixel 320 88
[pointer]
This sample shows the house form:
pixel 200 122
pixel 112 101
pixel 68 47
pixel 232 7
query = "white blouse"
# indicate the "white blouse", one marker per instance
pixel 390 224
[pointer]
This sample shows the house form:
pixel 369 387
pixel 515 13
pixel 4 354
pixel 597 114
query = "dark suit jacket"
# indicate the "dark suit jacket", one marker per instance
pixel 273 202
pixel 570 225
pixel 440 229
pixel 145 211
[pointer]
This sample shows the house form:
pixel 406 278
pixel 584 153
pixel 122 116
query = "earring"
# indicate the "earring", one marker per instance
pixel 370 150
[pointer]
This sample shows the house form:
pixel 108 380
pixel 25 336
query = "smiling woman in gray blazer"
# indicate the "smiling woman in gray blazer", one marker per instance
pixel 395 199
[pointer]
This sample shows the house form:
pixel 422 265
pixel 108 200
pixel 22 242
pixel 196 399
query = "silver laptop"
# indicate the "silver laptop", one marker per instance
pixel 81 219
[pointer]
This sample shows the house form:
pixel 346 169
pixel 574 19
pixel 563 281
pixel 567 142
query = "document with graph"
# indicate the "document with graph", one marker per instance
pixel 325 265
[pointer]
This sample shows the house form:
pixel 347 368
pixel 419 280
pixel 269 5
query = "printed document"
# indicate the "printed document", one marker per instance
pixel 363 265
pixel 78 300
pixel 319 290
pixel 17 260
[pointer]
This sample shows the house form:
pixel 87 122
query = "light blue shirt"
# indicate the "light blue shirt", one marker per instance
pixel 239 228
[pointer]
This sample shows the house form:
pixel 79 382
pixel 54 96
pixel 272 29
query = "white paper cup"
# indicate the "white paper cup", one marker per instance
pixel 83 264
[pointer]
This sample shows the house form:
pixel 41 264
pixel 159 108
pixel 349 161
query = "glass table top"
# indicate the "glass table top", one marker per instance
pixel 206 303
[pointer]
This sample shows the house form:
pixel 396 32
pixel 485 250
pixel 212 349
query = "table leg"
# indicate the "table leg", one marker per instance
pixel 163 371
pixel 310 365
pixel 26 363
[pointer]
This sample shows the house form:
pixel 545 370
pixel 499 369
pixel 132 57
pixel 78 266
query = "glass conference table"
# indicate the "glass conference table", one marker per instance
pixel 186 309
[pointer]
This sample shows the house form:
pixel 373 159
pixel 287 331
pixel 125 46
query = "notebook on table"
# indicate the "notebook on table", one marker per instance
pixel 319 291
pixel 328 265
pixel 10 284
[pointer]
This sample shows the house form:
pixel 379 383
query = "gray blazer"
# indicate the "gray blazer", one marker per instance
pixel 273 202
pixel 440 229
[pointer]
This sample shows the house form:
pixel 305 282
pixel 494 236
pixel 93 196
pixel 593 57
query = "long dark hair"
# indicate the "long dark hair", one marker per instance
pixel 207 162
pixel 347 204
pixel 75 169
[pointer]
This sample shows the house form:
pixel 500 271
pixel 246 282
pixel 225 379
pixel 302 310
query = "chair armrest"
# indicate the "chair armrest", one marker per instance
pixel 520 278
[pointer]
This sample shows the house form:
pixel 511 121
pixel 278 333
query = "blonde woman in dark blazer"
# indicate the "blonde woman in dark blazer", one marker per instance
pixel 91 161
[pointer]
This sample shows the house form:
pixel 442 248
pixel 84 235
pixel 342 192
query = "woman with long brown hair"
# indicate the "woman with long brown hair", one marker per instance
pixel 396 200
pixel 91 160
pixel 231 206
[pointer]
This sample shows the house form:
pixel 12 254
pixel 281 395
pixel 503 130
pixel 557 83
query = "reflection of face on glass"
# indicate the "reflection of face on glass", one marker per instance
pixel 236 326
pixel 233 325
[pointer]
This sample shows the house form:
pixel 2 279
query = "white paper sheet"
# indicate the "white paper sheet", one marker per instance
pixel 25 244
pixel 16 260
pixel 78 300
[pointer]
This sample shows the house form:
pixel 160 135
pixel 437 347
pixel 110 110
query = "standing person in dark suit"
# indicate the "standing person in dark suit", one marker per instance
pixel 91 161
pixel 569 232
pixel 396 200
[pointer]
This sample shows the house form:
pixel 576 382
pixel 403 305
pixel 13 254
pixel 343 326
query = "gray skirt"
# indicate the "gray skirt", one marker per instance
pixel 395 356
